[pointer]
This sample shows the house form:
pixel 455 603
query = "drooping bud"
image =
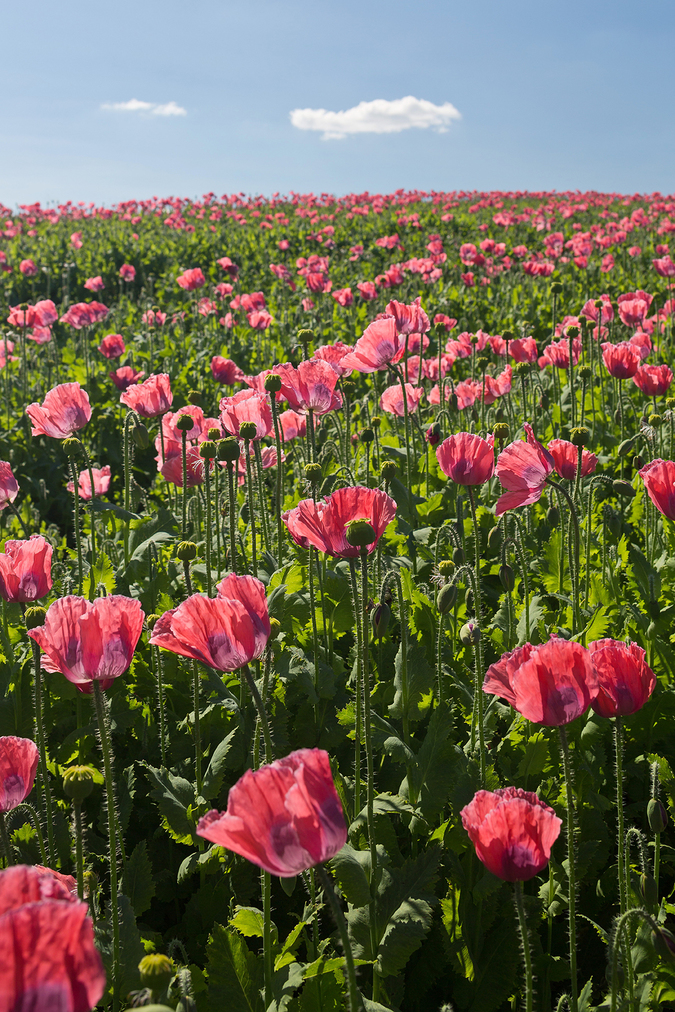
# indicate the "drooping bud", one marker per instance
pixel 459 556
pixel 469 634
pixel 150 621
pixel 186 551
pixel 140 435
pixel 623 488
pixel 494 538
pixel 638 462
pixel 446 598
pixel 275 628
pixel 625 447
pixel 379 619
pixel 664 944
pixel 507 577
pixel 78 782
pixel 553 516
pixel 650 893
pixel 657 817
pixel 433 434
pixel 360 533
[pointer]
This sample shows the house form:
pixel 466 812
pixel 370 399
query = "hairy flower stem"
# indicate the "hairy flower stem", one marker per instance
pixel 315 635
pixel 251 507
pixel 406 426
pixel 208 526
pixel 184 492
pixel 127 482
pixel 78 537
pixel 616 943
pixel 525 942
pixel 198 737
pixel 232 503
pixel 439 661
pixel 4 841
pixel 157 655
pixel 571 873
pixel 279 476
pixel 79 849
pixel 478 682
pixel 574 522
pixel 621 841
pixel 216 493
pixel 370 766
pixel 261 496
pixel 92 524
pixel 42 748
pixel 262 713
pixel 266 885
pixel 102 718
pixel 35 819
pixel 355 1003
pixel 358 690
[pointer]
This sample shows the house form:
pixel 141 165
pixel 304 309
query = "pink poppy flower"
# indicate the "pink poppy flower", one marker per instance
pixel 293 425
pixel 633 307
pixel 447 322
pixel 593 312
pixel 76 240
pixel 18 766
pixel 391 400
pixel 625 681
pixel 169 426
pixel 259 320
pixel 565 456
pixel 172 467
pixel 151 398
pixel 344 297
pixel 125 376
pixel 254 302
pixel 112 346
pixel 268 459
pixel 191 279
pixel 64 410
pixel 228 266
pixel 90 641
pixel 333 354
pixel 512 830
pixel 323 524
pixel 522 468
pixel 621 360
pixel 558 353
pixel 659 480
pixel 664 267
pixel 9 486
pixel 523 349
pixel 376 347
pixel 94 284
pixel 367 290
pixel 41 335
pixel 154 318
pixel 310 387
pixel 101 482
pixel 642 342
pixel 653 380
pixel 127 273
pixel 285 817
pixel 247 406
pixel 224 370
pixel 26 570
pixel 410 319
pixel 467 459
pixel 28 268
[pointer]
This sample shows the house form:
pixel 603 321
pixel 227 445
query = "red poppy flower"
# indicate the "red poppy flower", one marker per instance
pixel 523 349
pixel 621 360
pixel 565 457
pixel 125 377
pixel 224 633
pixel 285 817
pixel 522 468
pixel 512 830
pixel 309 387
pixel 467 459
pixel 323 524
pixel 172 467
pixel 558 353
pixel 377 346
pixel 410 319
pixel 653 380
pixel 224 370
pixel 64 410
pixel 9 486
pixel 625 681
pixel 90 641
pixel 101 482
pixel 24 883
pixel 191 279
pixel 333 354
pixel 151 398
pixel 391 400
pixel 94 284
pixel 112 346
pixel 127 272
pixel 664 267
pixel 154 318
pixel 18 765
pixel 550 684
pixel 659 479
pixel 247 406
pixel 633 307
pixel 26 570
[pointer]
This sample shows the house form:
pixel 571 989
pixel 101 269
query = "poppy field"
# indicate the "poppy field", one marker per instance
pixel 338 581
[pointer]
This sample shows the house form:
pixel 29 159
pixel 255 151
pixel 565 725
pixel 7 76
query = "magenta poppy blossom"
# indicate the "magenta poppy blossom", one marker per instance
pixel 376 347
pixel 26 570
pixel 18 766
pixel 333 354
pixel 653 380
pixel 621 360
pixel 151 398
pixel 523 349
pixel 154 318
pixel 125 377
pixel 247 406
pixel 344 297
pixel 634 307
pixel 127 272
pixel 64 410
pixel 94 284
pixel 659 480
pixel 310 387
pixel 467 459
pixel 112 346
pixel 172 466
pixel 565 457
pixel 522 468
pixel 224 370
pixel 101 482
pixel 9 486
pixel 391 400
pixel 625 681
pixel 323 524
pixel 410 319
pixel 293 425
pixel 191 279
pixel 28 268
pixel 664 267
pixel 285 817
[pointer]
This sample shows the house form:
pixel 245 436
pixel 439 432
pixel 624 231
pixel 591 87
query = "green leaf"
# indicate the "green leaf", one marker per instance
pixel 349 866
pixel 404 906
pixel 323 993
pixel 385 804
pixel 494 972
pixel 534 756
pixel 287 954
pixel 248 921
pixel 173 796
pixel 102 573
pixel 420 678
pixel 138 883
pixel 215 772
pixel 432 774
pixel 235 974
pixel 109 507
pixel 537 614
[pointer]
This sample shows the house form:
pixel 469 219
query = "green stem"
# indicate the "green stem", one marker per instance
pixel 370 766
pixel 251 507
pixel 478 683
pixel 78 541
pixel 525 942
pixel 571 874
pixel 102 718
pixel 621 842
pixel 261 495
pixel 198 736
pixel 232 504
pixel 42 748
pixel 92 514
pixel 279 475
pixel 574 521
pixel 262 713
pixel 157 653
pixel 127 482
pixel 183 448
pixel 208 525
pixel 79 852
pixel 358 690
pixel 439 660
pixel 4 841
pixel 355 1003
pixel 266 883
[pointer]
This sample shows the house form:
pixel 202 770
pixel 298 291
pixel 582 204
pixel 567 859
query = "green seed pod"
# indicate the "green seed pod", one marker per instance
pixel 580 436
pixel 150 622
pixel 446 567
pixel 521 369
pixel 35 616
pixel 585 372
pixel 494 538
pixel 194 397
pixel 184 423
pixel 657 817
pixel 348 387
pixel 507 335
pixel 501 431
pixel 507 577
pixel 229 449
pixel 273 383
pixel 469 634
pixel 214 434
pixel 379 619
pixel 656 421
pixel 78 783
pixel 623 488
pixel 447 596
pixel 156 971
pixel 248 430
pixel 208 450
pixel 573 332
pixel 72 447
pixel 367 436
pixel 313 473
pixel 140 436
pixel 375 422
pixel 186 551
pixel 556 288
pixel 360 533
pixel 305 335
pixel 388 470
pixel 670 403
pixel 459 556
pixel 650 893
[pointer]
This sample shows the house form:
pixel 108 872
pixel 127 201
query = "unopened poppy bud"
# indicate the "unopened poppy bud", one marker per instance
pixel 313 473
pixel 446 568
pixel 507 577
pixel 375 422
pixel 186 551
pixel 367 436
pixel 348 388
pixel 556 288
pixel 194 397
pixel 141 436
pixel 360 533
pixel 617 415
pixel 248 430
pixel 572 332
pixel 433 434
pixel 553 516
pixel 613 521
pixel 670 403
pixel 150 621
pixel 272 383
pixel 651 631
pixel 459 556
pixel 638 462
pixel 446 598
pixel 379 619
pixel 208 449
pixel 388 470
pixel 544 400
pixel 184 423
pixel 156 971
pixel 650 893
pixel 656 421
pixel 580 436
pixel 501 431
pixel 35 616
pixel 625 447
pixel 320 436
pixel 499 415
pixel 657 816
pixel 664 944
pixel 78 783
pixel 495 538
pixel 585 372
pixel 623 488
pixel 275 628
pixel 469 634
pixel 72 447
pixel 229 449
pixel 214 434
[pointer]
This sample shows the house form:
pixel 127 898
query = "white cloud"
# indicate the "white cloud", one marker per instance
pixel 155 109
pixel 377 117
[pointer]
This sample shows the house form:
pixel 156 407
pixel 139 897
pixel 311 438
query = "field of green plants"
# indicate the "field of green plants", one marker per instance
pixel 338 584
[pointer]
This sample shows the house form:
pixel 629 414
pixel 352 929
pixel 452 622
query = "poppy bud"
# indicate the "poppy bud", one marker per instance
pixel 320 436
pixel 469 634
pixel 499 415
pixel 72 447
pixel 656 816
pixel 573 332
pixel 186 551
pixel 664 944
pixel 78 783
pixel 247 430
pixel 501 431
pixel 617 415
pixel 214 434
pixel 388 470
pixel 650 893
pixel 194 397
pixel 35 616
pixel 275 628
pixel 544 400
pixel 367 436
pixel 579 436
pixel 360 533
pixel 670 403
pixel 184 423
pixel 433 434
pixel 556 288
pixel 313 473
pixel 507 577
pixel 552 516
pixel 229 449
pixel 156 971
pixel 625 447
pixel 599 303
pixel 656 421
pixel 585 372
pixel 348 387
pixel 305 335
pixel 613 521
pixel 150 621
pixel 375 422
pixel 140 436
pixel 459 556
pixel 447 596
pixel 272 383
pixel 355 438
pixel 379 619
pixel 623 488
pixel 446 567
pixel 494 538
pixel 638 462
pixel 208 450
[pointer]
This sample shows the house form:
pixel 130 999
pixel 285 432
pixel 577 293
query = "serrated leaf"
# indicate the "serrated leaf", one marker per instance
pixel 349 867
pixel 215 772
pixel 235 974
pixel 494 972
pixel 432 773
pixel 108 507
pixel 173 796
pixel 102 574
pixel 248 921
pixel 138 883
pixel 419 679
pixel 384 804
pixel 534 756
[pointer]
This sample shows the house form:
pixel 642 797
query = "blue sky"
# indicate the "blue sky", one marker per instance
pixel 563 94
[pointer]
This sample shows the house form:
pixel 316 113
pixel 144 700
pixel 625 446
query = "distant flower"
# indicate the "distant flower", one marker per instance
pixel 9 486
pixel 565 457
pixel 653 380
pixel 224 370
pixel 522 468
pixel 191 279
pixel 127 273
pixel 151 398
pixel 94 284
pixel 125 376
pixel 112 346
pixel 64 410
pixel 467 459
pixel 28 268
pixel 101 482
pixel 391 400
